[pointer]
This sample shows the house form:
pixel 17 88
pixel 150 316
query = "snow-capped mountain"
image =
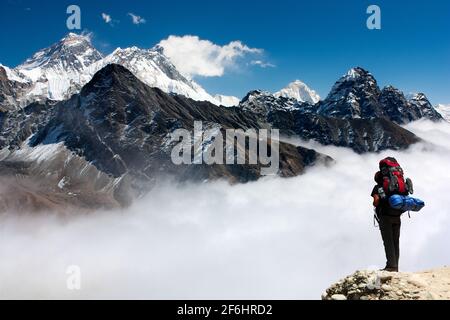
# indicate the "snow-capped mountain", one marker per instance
pixel 357 95
pixel 354 95
pixel 303 120
pixel 112 141
pixel 61 70
pixel 356 114
pixel 154 69
pixel 299 91
pixel 444 111
pixel 423 107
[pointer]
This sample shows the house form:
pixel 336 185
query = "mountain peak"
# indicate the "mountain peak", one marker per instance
pixel 354 95
pixel 392 89
pixel 110 75
pixel 113 68
pixel 355 77
pixel 72 53
pixel 253 94
pixel 416 96
pixel 357 72
pixel 299 91
pixel 74 37
pixel 127 51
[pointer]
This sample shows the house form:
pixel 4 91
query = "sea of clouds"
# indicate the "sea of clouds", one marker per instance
pixel 271 239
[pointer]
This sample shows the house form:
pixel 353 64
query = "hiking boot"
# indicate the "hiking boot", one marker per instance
pixel 389 269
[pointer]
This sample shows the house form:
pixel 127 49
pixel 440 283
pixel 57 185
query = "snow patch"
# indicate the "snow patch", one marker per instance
pixel 299 91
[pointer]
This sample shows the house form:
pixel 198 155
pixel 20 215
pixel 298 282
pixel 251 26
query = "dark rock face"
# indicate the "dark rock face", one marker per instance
pixel 363 132
pixel 424 108
pixel 9 91
pixel 396 106
pixel 122 127
pixel 17 126
pixel 355 114
pixel 355 95
pixel 361 135
pixel 400 110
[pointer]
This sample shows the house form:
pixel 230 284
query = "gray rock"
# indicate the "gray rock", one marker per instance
pixel 385 278
pixel 386 287
pixel 339 297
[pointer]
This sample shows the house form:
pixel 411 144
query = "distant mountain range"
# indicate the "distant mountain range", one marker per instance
pixel 81 130
pixel 62 69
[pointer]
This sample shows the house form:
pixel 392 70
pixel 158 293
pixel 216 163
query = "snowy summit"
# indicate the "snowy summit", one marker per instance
pixel 299 91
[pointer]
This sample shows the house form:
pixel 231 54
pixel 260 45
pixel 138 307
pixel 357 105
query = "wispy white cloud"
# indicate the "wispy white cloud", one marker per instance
pixel 136 19
pixel 262 64
pixel 107 18
pixel 193 56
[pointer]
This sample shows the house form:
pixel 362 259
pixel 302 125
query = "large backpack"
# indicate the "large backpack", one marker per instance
pixel 392 178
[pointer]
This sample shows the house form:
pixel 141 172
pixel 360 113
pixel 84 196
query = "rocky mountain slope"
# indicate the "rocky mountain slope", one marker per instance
pixel 119 129
pixel 304 120
pixel 381 285
pixel 357 95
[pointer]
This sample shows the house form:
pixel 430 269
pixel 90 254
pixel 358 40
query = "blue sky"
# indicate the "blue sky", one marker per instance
pixel 314 41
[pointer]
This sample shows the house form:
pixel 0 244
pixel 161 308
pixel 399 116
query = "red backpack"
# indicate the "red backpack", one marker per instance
pixel 392 179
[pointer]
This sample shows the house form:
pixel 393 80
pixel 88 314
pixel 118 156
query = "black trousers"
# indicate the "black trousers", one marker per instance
pixel 390 232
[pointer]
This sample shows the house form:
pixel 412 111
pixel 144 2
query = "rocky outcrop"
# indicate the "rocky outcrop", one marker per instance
pixel 382 285
pixel 355 95
pixel 10 91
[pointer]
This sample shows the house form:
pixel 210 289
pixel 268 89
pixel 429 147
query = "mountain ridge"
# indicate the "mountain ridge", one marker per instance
pixel 119 128
pixel 60 70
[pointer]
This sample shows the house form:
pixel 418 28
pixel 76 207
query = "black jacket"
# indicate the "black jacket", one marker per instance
pixel 384 208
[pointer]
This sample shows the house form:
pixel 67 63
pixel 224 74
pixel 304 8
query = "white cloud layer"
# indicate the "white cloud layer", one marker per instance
pixel 275 238
pixel 193 56
pixel 136 19
pixel 262 64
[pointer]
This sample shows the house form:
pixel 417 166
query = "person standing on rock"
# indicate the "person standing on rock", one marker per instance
pixel 390 181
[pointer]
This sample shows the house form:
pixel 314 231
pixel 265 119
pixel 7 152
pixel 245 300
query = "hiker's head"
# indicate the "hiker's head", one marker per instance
pixel 378 177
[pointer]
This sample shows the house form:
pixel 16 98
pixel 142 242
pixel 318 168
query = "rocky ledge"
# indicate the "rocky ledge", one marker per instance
pixel 381 285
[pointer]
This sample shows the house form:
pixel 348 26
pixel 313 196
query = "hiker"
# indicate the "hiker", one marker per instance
pixel 390 181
